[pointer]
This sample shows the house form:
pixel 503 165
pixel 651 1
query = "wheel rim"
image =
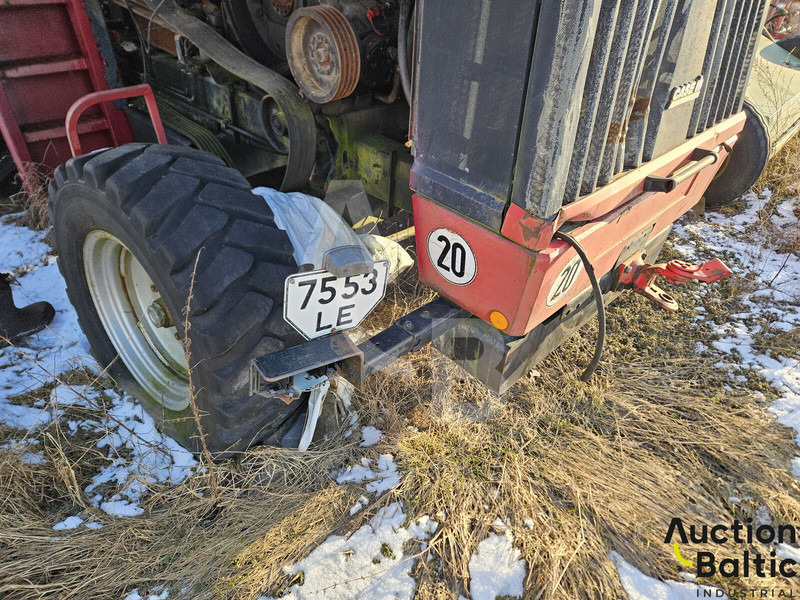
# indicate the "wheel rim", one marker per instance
pixel 136 320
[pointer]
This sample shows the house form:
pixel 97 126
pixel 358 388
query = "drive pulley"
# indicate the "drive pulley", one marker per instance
pixel 323 53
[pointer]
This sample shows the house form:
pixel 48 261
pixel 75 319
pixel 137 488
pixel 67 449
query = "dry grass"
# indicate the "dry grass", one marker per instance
pixel 782 174
pixel 594 470
pixel 31 200
pixel 589 468
pixel 577 470
pixel 275 505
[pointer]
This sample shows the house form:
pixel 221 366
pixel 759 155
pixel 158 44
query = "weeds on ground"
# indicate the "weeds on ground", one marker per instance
pixel 579 470
pixel 576 470
pixel 31 200
pixel 782 174
pixel 269 502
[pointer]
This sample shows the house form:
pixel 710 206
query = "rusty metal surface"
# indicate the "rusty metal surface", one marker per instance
pixel 523 275
pixel 300 123
pixel 592 97
pixel 599 99
pixel 282 7
pixel 535 233
pixel 637 126
pixel 323 53
pixel 631 70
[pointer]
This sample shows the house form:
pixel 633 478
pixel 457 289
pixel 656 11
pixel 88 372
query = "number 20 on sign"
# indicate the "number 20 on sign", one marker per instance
pixel 452 257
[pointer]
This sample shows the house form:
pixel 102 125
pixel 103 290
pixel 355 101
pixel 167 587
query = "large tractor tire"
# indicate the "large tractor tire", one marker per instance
pixel 744 164
pixel 129 224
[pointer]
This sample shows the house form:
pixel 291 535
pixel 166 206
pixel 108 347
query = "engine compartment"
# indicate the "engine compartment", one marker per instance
pixel 341 55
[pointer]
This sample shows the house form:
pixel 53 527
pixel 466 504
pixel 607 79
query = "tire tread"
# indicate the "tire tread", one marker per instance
pixel 180 200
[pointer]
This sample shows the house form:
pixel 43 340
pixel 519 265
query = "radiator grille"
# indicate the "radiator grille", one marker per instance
pixel 727 58
pixel 624 95
pixel 541 107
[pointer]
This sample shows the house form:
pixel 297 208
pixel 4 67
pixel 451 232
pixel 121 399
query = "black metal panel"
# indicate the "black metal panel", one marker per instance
pixel 746 69
pixel 634 141
pixel 592 96
pixel 564 38
pixel 603 124
pixel 471 76
pixel 737 26
pixel 632 68
pixel 729 78
pixel 712 64
pixel 744 55
pixel 683 60
pixel 356 363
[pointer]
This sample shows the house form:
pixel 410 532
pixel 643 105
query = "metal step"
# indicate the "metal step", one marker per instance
pixel 56 129
pixel 48 67
pixel 42 76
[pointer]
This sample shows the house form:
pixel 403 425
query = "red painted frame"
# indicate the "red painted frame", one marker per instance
pixel 517 269
pixel 50 68
pixel 89 100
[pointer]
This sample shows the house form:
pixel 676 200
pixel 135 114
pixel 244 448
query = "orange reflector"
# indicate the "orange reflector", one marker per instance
pixel 499 320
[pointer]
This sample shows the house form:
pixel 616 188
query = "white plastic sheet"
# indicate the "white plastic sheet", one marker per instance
pixel 314 228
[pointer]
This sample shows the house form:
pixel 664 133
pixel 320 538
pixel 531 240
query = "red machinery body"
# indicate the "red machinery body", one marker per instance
pixel 49 60
pixel 551 150
pixel 517 271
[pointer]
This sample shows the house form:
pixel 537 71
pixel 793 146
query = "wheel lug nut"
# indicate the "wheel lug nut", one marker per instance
pixel 158 315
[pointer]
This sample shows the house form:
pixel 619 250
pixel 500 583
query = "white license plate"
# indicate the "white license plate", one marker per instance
pixel 316 303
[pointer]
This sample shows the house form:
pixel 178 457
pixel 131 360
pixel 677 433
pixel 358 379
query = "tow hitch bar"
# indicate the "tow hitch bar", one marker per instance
pixel 639 276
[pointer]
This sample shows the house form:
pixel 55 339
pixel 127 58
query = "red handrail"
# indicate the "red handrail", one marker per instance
pixel 89 100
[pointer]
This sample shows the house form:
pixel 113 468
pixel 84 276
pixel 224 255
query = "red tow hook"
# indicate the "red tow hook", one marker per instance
pixel 639 276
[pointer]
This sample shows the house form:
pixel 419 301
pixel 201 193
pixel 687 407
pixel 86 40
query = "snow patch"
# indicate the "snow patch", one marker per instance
pixel 68 523
pixel 138 454
pixel 639 586
pixel 367 565
pixel 135 595
pixel 787 551
pixel 385 478
pixel 496 568
pixel 775 299
pixel 362 502
pixel 370 436
pixel 59 348
pixel 20 247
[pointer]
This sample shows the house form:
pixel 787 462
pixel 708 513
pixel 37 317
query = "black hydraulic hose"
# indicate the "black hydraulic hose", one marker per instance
pixel 402 50
pixel 598 296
